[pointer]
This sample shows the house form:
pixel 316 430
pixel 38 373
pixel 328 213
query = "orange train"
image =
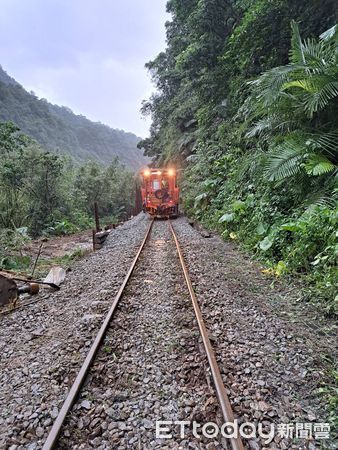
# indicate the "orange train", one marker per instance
pixel 160 193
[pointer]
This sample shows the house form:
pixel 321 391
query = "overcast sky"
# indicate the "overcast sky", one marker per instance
pixel 88 55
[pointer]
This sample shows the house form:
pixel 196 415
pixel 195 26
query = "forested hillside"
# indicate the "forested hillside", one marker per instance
pixel 42 193
pixel 247 104
pixel 58 129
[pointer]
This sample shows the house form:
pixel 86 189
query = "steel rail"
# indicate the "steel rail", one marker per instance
pixel 54 433
pixel 222 396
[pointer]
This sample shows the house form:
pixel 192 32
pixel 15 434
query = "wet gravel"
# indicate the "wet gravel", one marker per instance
pixel 268 364
pixel 43 345
pixel 152 364
pixel 150 367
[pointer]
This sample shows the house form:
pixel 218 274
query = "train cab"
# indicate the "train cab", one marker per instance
pixel 160 193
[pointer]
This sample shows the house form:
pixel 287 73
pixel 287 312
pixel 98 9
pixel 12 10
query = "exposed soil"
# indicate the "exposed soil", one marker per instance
pixel 56 247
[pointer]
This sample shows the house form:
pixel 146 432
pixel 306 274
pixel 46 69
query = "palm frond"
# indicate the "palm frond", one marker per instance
pixel 285 161
pixel 326 195
pixel 318 100
pixel 318 56
pixel 326 143
pixel 259 127
pixel 283 100
pixel 271 122
pixel 330 33
pixel 267 88
pixel 317 165
pixel 310 53
pixel 297 49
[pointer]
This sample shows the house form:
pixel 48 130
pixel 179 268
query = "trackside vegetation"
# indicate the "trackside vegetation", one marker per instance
pixel 43 193
pixel 247 104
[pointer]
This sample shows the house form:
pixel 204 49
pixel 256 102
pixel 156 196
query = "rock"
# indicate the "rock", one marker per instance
pixel 32 446
pixel 254 445
pixel 37 333
pixel 54 413
pixel 122 426
pixel 263 406
pixel 210 446
pixel 148 424
pixel 39 432
pixel 91 317
pixel 205 234
pixel 85 404
pixel 311 416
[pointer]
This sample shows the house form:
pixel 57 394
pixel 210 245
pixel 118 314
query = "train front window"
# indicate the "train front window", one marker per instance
pixel 156 185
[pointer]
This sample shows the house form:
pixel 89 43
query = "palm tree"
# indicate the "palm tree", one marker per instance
pixel 294 108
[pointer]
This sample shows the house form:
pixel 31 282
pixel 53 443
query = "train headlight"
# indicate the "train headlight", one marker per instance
pixel 146 173
pixel 171 172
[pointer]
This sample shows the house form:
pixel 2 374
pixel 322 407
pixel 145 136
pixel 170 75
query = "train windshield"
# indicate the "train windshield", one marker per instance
pixel 156 185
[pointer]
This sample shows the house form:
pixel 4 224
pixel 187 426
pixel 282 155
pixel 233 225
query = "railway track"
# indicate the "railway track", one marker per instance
pixel 56 431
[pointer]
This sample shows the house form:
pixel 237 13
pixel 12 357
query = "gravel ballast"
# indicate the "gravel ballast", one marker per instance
pixel 152 365
pixel 270 366
pixel 43 345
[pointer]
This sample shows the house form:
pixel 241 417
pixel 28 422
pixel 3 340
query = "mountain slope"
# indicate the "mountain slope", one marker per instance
pixel 57 128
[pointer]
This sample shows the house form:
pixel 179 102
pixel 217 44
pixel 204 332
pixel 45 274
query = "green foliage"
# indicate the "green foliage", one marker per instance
pixel 68 258
pixel 11 242
pixel 62 228
pixel 59 130
pixel 294 109
pixel 259 151
pixel 15 262
pixel 265 220
pixel 48 194
pixel 247 105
